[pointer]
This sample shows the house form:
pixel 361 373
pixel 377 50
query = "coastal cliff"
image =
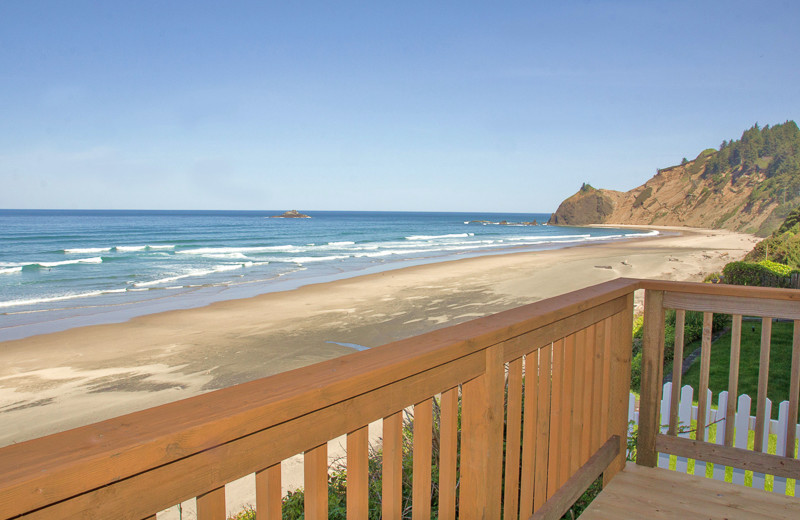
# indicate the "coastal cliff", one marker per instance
pixel 748 185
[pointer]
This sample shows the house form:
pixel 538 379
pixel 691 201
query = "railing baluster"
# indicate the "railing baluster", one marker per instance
pixel 543 428
pixel 421 481
pixel 556 405
pixel 567 391
pixel 268 493
pixel 606 399
pixel 211 505
pixel 621 384
pixel 597 388
pixel 448 453
pixel 677 370
pixel 652 363
pixel 733 377
pixel 358 473
pixel 530 463
pixel 794 393
pixel 392 484
pixel 513 432
pixel 763 380
pixel 587 353
pixel 315 472
pixel 482 440
pixel 577 402
pixel 705 367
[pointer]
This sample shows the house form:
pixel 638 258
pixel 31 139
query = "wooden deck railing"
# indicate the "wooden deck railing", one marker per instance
pixel 536 398
pixel 766 304
pixel 568 356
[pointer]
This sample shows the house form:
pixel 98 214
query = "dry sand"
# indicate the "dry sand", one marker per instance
pixel 53 382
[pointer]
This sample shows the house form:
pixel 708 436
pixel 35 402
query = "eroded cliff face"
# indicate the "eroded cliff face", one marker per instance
pixel 588 206
pixel 679 196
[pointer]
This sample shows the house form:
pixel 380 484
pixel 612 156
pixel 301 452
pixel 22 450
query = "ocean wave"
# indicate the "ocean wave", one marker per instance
pixel 193 273
pixel 243 250
pixel 9 270
pixel 226 256
pixel 92 260
pixel 161 247
pixel 435 237
pixel 344 243
pixel 63 297
pixel 87 250
pixel 651 233
pixel 310 259
pixel 129 249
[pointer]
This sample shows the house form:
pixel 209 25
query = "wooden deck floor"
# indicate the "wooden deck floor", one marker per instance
pixel 650 493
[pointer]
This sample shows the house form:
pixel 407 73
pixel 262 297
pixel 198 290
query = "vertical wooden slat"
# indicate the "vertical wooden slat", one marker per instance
pixel 621 384
pixel 358 473
pixel 733 377
pixel 606 399
pixel 482 440
pixel 794 392
pixel 529 438
pixel 763 380
pixel 567 392
pixel 677 370
pixel 542 428
pixel 556 404
pixel 392 471
pixel 577 402
pixel 597 389
pixel 268 493
pixel 421 481
pixel 151 517
pixel 513 433
pixel 448 454
pixel 652 362
pixel 211 505
pixel 705 367
pixel 315 473
pixel 588 384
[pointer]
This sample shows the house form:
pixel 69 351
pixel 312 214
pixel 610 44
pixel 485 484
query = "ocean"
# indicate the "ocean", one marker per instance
pixel 65 268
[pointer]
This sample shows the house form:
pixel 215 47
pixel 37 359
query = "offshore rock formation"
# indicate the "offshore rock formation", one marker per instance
pixel 291 214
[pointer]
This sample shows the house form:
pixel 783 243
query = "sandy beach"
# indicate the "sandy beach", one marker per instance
pixel 53 382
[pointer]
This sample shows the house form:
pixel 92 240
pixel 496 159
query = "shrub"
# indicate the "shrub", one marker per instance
pixel 763 274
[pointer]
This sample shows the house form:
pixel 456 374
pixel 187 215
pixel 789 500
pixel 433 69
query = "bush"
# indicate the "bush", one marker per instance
pixel 761 274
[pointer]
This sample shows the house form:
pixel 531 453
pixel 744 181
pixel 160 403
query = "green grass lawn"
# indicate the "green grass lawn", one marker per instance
pixel 780 364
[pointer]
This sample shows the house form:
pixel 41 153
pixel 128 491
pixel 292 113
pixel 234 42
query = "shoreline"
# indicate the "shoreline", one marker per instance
pixel 56 381
pixel 61 380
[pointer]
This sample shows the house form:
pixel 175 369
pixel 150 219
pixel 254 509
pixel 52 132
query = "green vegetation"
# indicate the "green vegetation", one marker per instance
pixel 780 363
pixel 642 197
pixel 783 246
pixel 586 187
pixel 692 334
pixel 760 274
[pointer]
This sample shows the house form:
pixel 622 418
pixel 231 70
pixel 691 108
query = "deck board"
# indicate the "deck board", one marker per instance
pixel 640 492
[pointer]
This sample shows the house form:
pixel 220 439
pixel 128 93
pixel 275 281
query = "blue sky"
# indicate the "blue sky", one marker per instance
pixel 430 106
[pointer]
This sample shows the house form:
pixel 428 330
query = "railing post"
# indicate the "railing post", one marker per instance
pixel 482 409
pixel 652 368
pixel 620 379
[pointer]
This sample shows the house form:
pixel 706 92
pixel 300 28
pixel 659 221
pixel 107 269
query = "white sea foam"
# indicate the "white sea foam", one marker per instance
pixel 63 297
pixel 129 249
pixel 243 250
pixel 93 260
pixel 435 237
pixel 226 256
pixel 310 259
pixel 651 233
pixel 9 270
pixel 165 246
pixel 191 273
pixel 87 250
pixel 344 243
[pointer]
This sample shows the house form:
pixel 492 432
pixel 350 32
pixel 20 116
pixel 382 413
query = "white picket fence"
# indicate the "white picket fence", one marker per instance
pixel 744 423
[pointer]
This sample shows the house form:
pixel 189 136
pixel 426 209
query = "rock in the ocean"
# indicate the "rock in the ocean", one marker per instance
pixel 291 214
